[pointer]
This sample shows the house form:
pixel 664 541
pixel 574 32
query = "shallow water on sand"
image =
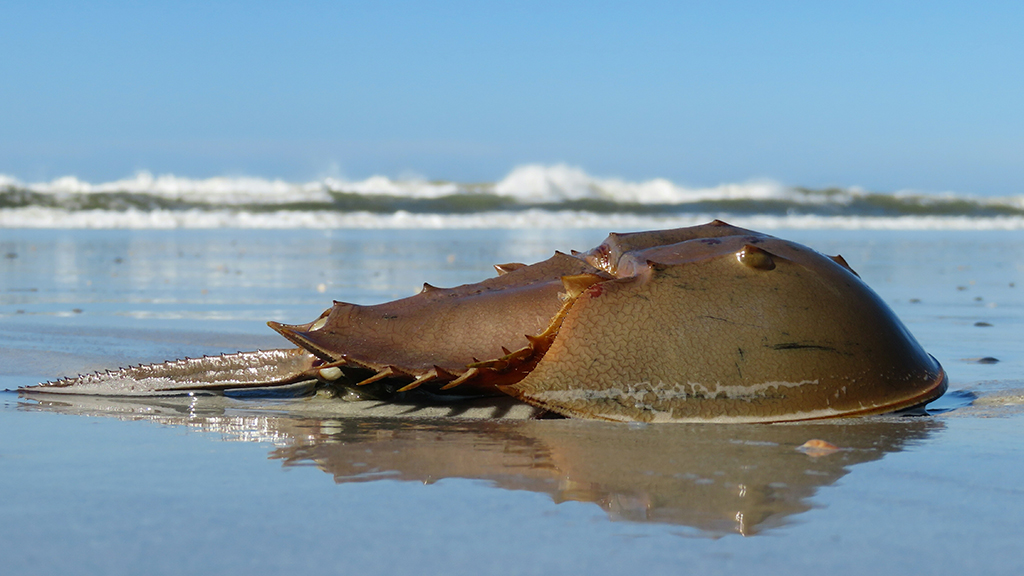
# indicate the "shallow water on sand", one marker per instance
pixel 240 486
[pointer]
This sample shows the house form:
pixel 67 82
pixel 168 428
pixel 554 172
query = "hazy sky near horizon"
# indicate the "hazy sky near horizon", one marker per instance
pixel 883 95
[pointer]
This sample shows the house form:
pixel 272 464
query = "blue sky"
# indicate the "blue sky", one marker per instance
pixel 883 95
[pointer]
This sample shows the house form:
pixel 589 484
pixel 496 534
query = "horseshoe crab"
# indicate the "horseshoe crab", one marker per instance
pixel 707 323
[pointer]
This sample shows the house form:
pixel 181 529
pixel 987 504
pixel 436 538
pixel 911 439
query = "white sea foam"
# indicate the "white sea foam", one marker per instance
pixel 238 190
pixel 532 183
pixel 558 183
pixel 407 188
pixel 40 217
pixel 221 190
pixel 249 202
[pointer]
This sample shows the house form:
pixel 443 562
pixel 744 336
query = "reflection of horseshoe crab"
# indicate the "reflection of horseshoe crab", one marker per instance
pixel 718 479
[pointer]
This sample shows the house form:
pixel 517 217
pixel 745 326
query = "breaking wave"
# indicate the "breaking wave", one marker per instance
pixel 529 196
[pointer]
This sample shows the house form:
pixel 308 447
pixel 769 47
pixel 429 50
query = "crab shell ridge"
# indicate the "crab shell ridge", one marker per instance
pixel 709 323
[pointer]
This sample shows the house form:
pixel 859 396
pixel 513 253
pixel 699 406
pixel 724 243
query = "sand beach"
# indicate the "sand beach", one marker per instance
pixel 113 486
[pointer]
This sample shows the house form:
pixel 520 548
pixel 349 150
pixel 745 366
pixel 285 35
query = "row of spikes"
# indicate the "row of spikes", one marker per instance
pixel 502 269
pixel 69 380
pixel 126 371
pixel 498 368
pixel 482 369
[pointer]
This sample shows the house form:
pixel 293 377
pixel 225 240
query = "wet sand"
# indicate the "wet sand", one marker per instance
pixel 113 486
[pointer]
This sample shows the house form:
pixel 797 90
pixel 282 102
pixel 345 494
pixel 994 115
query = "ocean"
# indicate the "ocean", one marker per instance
pixel 98 276
pixel 530 196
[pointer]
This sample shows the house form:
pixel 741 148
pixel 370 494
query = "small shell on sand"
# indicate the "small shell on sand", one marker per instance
pixel 816 448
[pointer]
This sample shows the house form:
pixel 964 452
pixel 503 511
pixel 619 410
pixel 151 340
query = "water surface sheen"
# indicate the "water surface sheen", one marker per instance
pixel 241 486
